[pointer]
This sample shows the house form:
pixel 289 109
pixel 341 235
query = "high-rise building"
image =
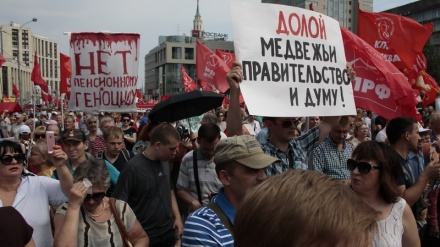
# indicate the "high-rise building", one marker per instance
pixel 15 38
pixel 162 63
pixel 345 11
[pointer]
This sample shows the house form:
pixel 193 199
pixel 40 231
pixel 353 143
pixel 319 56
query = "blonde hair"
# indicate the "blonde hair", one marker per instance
pixel 41 148
pixel 303 208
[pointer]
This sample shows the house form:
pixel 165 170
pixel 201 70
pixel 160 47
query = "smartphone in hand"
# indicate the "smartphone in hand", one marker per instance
pixel 50 139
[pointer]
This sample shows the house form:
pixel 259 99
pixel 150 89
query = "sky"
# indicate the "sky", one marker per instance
pixel 150 18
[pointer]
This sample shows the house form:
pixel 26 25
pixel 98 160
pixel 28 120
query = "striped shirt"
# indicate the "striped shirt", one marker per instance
pixel 209 182
pixel 204 228
pixel 297 152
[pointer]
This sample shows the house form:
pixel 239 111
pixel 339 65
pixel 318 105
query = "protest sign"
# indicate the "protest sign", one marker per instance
pixel 293 61
pixel 104 72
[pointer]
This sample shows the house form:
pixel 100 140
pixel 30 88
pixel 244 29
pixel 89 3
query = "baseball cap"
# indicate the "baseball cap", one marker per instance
pixel 244 149
pixel 24 130
pixel 421 129
pixel 19 116
pixel 74 135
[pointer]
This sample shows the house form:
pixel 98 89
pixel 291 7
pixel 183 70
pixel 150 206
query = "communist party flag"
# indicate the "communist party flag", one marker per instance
pixel 428 87
pixel 211 68
pixel 36 76
pixel 206 86
pixel 15 91
pixel 399 39
pixel 65 74
pixel 2 60
pixel 187 82
pixel 379 86
pixel 228 57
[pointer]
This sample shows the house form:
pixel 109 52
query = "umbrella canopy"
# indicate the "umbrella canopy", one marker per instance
pixel 185 105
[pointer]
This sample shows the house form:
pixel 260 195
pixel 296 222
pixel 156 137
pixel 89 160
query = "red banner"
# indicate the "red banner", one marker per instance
pixel 2 60
pixel 15 91
pixel 228 57
pixel 399 39
pixel 379 86
pixel 187 82
pixel 65 74
pixel 206 86
pixel 36 76
pixel 211 68
pixel 428 87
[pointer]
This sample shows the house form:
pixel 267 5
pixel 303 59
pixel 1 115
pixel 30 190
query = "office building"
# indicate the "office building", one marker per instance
pixel 162 63
pixel 14 39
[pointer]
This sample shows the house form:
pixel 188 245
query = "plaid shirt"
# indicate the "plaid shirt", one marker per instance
pixel 297 150
pixel 329 160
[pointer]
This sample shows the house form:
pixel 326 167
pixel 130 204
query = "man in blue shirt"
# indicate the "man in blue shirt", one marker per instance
pixel 240 164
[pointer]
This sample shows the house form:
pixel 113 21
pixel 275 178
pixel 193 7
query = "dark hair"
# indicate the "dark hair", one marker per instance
pixel 399 126
pixel 144 134
pixel 163 134
pixel 9 146
pixel 125 115
pixel 388 161
pixel 209 132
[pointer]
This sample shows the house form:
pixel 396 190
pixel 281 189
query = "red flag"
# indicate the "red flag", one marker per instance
pixel 139 97
pixel 228 57
pixel 379 86
pixel 399 39
pixel 46 97
pixel 428 87
pixel 65 74
pixel 206 86
pixel 187 82
pixel 15 91
pixel 311 7
pixel 5 98
pixel 211 68
pixel 2 60
pixel 36 76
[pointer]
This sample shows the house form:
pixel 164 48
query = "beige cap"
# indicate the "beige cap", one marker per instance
pixel 244 149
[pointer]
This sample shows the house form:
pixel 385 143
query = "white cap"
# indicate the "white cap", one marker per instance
pixel 24 129
pixel 421 129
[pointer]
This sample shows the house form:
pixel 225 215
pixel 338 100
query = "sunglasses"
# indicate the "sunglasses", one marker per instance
pixel 125 120
pixel 40 136
pixel 286 123
pixel 363 167
pixel 96 196
pixel 7 159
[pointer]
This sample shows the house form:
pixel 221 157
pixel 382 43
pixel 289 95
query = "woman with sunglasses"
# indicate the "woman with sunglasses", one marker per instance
pixel 40 135
pixel 40 160
pixel 130 133
pixel 32 195
pixel 87 220
pixel 375 171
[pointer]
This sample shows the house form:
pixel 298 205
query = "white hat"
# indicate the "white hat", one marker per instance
pixel 421 129
pixel 24 130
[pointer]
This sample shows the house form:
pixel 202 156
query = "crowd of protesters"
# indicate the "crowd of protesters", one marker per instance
pixel 239 179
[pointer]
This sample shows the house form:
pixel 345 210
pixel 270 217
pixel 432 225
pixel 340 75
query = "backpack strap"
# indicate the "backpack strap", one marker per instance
pixel 126 154
pixel 196 176
pixel 222 216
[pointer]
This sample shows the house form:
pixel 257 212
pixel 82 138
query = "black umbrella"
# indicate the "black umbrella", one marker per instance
pixel 185 105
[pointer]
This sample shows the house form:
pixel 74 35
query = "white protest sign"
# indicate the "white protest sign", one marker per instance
pixel 293 61
pixel 104 72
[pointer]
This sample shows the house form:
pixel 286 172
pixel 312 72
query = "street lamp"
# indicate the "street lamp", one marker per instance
pixel 20 84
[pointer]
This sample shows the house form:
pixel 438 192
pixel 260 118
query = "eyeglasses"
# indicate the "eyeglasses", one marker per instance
pixel 96 196
pixel 7 159
pixel 363 167
pixel 39 136
pixel 286 123
pixel 125 120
